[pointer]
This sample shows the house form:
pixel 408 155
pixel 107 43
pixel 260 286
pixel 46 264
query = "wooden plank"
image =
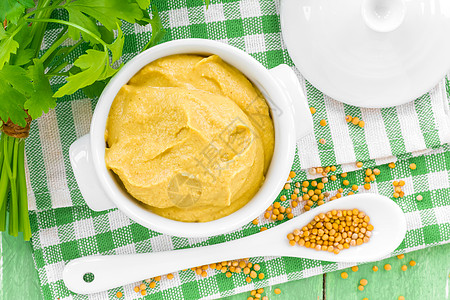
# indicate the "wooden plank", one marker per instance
pixel 305 289
pixel 429 279
pixel 20 279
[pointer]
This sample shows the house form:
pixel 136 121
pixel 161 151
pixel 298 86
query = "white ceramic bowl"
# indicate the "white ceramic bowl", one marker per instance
pixel 291 118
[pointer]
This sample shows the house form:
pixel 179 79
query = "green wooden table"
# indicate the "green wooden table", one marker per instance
pixel 429 279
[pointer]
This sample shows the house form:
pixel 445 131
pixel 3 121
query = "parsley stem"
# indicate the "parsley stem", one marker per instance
pixel 60 60
pixel 72 25
pixel 54 71
pixel 51 7
pixel 4 184
pixel 14 203
pixel 55 45
pixel 3 217
pixel 24 219
pixel 37 31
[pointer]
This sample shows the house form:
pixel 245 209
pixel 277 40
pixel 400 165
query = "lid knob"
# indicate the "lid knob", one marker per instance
pixel 383 15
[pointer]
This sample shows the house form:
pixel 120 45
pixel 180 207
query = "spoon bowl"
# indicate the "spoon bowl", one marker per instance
pixel 115 270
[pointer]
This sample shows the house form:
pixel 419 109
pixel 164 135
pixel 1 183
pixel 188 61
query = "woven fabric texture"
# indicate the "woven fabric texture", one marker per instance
pixel 64 228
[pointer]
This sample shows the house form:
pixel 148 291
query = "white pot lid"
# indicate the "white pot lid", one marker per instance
pixel 369 53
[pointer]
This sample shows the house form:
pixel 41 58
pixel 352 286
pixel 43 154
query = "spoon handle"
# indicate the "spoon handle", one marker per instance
pixel 115 270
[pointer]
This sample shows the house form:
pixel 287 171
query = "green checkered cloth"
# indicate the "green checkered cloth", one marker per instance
pixel 64 228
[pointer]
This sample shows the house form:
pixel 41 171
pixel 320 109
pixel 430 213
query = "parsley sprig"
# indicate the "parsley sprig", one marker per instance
pixel 26 71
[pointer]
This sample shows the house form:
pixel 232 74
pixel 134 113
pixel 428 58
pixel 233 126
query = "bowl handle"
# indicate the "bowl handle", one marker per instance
pixel 288 80
pixel 83 169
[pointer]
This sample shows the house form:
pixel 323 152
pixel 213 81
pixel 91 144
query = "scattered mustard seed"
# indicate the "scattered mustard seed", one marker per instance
pixel 412 263
pixel 355 121
pixel 391 165
pixel 375 268
pixel 344 275
pixel 323 122
pixel 361 288
pixel 119 295
pixel 387 267
pixel 361 124
pixel 322 141
pixel 419 198
pixel 312 110
pixel 355 268
pixel 412 166
pixel 363 282
pixel 348 118
pixel 404 268
pixel 359 164
pixel 401 256
pixel 277 291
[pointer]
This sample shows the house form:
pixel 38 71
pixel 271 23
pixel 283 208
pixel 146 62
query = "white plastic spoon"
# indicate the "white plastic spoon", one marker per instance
pixel 117 270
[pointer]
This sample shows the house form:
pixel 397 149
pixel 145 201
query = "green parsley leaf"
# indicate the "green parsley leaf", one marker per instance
pixel 12 10
pixel 106 35
pixel 158 30
pixel 95 89
pixel 94 66
pixel 23 56
pixel 8 46
pixel 144 4
pixel 3 34
pixel 14 85
pixel 17 77
pixel 107 12
pixel 117 46
pixel 79 18
pixel 41 99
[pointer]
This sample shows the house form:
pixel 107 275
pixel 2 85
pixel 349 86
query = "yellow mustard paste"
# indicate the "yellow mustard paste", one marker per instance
pixel 190 137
